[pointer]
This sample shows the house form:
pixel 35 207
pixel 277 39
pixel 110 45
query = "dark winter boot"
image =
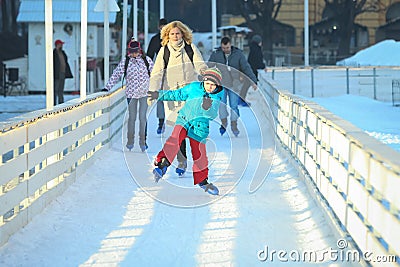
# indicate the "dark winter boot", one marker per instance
pixel 224 123
pixel 209 187
pixel 161 169
pixel 161 126
pixel 234 128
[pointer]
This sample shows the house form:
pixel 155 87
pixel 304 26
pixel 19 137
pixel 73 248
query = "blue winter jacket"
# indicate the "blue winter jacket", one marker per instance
pixel 192 116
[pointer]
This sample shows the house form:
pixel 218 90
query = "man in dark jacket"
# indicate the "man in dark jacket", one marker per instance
pixel 61 71
pixel 155 41
pixel 256 57
pixel 256 61
pixel 232 63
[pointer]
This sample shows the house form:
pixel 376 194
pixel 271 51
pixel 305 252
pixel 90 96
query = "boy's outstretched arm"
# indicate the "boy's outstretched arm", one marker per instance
pixel 180 94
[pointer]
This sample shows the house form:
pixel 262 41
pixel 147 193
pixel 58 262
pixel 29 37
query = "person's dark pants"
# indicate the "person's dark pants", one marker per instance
pixel 160 110
pixel 59 89
pixel 181 156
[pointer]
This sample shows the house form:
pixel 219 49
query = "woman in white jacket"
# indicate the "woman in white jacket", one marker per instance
pixel 179 62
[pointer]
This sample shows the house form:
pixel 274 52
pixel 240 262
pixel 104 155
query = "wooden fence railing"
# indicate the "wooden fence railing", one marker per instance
pixel 43 152
pixel 354 173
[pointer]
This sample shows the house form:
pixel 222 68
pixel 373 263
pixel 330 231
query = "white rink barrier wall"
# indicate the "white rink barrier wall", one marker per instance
pixel 355 175
pixel 371 82
pixel 43 152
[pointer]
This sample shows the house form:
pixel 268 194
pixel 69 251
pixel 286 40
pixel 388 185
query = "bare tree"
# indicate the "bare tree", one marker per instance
pixel 259 15
pixel 346 11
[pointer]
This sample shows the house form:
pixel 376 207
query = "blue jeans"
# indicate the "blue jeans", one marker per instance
pixel 233 104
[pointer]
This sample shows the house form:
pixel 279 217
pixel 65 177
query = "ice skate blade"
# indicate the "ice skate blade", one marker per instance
pixel 158 174
pixel 211 189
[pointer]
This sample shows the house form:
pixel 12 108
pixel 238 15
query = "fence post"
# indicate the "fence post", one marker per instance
pixel 393 84
pixel 347 81
pixel 4 79
pixel 312 82
pixel 395 92
pixel 374 73
pixel 294 81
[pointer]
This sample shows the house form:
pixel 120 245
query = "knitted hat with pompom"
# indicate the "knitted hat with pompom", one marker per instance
pixel 212 74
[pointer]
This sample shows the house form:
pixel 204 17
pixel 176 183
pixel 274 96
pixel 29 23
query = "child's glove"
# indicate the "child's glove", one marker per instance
pixel 153 95
pixel 207 101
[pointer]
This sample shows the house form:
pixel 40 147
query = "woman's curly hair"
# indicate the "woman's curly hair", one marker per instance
pixel 186 32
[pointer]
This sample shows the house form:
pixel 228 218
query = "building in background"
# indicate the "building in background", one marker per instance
pixel 287 30
pixel 13 35
pixel 66 27
pixel 13 39
pixel 370 28
pixel 391 29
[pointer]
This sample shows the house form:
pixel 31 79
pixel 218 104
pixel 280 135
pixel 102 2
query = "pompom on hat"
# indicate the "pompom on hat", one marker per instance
pixel 134 46
pixel 212 74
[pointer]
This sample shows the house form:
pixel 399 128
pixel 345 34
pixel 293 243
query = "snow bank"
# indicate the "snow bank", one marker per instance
pixel 385 53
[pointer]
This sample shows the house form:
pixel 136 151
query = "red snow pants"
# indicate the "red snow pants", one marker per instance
pixel 199 154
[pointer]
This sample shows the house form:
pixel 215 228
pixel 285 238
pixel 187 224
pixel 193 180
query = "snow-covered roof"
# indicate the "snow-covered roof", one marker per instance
pixel 236 28
pixel 63 11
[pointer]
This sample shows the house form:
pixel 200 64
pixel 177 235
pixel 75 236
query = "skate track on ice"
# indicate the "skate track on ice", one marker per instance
pixel 115 215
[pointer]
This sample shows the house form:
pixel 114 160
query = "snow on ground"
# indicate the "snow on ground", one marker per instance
pixel 379 119
pixel 106 219
pixel 12 106
pixel 385 53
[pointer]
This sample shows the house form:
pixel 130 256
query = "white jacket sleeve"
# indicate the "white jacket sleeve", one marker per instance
pixel 157 72
pixel 198 60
